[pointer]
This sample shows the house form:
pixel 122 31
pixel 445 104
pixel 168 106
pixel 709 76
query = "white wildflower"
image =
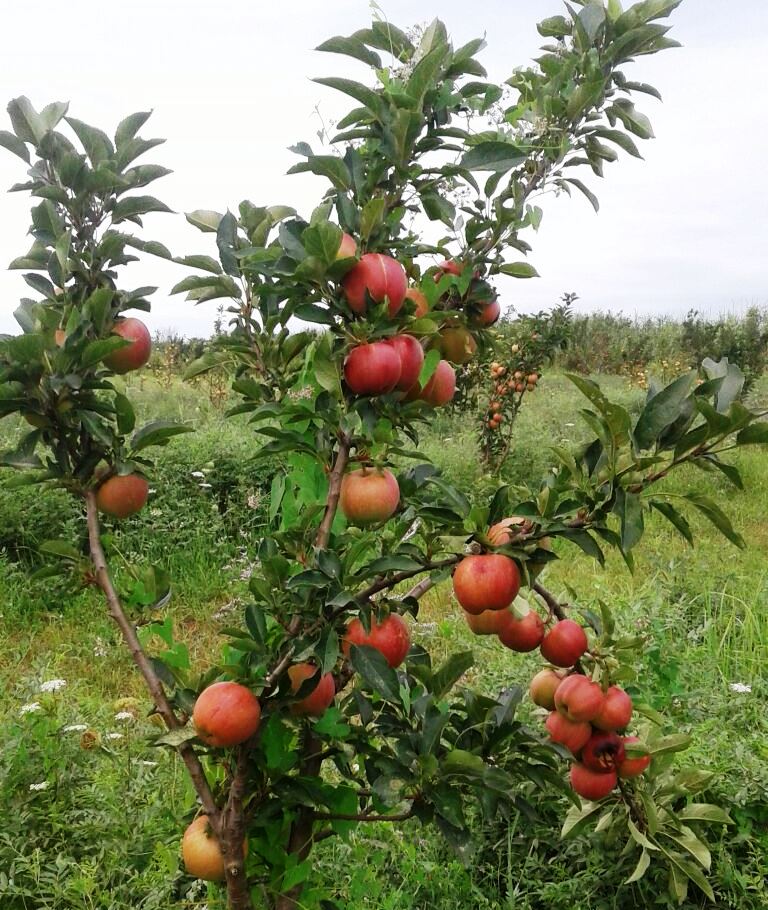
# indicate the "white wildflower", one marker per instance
pixel 53 685
pixel 741 688
pixel 205 486
pixel 198 474
pixel 74 728
pixel 125 716
pixel 146 764
pixel 151 491
pixel 99 647
pixel 30 708
pixel 43 785
pixel 114 736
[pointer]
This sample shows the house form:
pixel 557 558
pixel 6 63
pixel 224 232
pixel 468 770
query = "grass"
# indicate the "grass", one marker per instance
pixel 105 833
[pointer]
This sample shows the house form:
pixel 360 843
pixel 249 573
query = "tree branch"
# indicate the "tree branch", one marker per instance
pixel 384 582
pixel 128 630
pixel 232 836
pixel 344 817
pixel 334 490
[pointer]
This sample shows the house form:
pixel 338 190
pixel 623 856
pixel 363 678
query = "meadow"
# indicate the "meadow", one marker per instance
pixel 93 813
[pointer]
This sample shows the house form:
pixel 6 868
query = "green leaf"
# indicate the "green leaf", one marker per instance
pixel 375 671
pixel 719 519
pixel 690 871
pixel 662 410
pixel 519 270
pixel 204 220
pixel 128 127
pixel 445 678
pixel 554 27
pixel 704 812
pixel 674 518
pixel 133 206
pixel 14 144
pixel 629 508
pixel 351 47
pixel 633 120
pixel 675 742
pixel 493 155
pixel 641 868
pixel 366 96
pixel 96 143
pixel 322 240
pixel 577 817
pixel 96 351
pixel 755 434
pixel 372 217
pixel 583 188
pixel 156 433
pixel 585 542
pixel 126 417
pixel 25 120
pixel 638 837
pixel 62 549
pixel 276 740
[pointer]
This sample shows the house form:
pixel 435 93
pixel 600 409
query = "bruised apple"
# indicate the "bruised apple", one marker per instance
pixel 134 355
pixel 376 276
pixel 603 752
pixel 319 698
pixel 122 495
pixel 226 714
pixel 488 582
pixel 369 495
pixel 390 637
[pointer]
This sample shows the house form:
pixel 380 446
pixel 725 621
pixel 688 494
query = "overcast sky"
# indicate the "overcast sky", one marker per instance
pixel 230 87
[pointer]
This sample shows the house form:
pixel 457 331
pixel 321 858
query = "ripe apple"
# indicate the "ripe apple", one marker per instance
pixel 422 304
pixel 489 622
pixel 378 276
pixel 592 785
pixel 134 355
pixel 372 369
pixel 502 533
pixel 633 767
pixel 391 637
pixel 524 634
pixel 489 582
pixel 201 852
pixel 578 698
pixel 448 267
pixel 319 698
pixel 603 752
pixel 226 714
pixel 369 495
pixel 59 337
pixel 122 495
pixel 441 386
pixel 568 733
pixel 616 711
pixel 347 248
pixel 543 686
pixel 457 345
pixel 564 644
pixel 487 315
pixel 411 356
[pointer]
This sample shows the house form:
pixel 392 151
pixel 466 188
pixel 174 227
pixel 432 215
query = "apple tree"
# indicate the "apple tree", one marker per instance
pixel 321 715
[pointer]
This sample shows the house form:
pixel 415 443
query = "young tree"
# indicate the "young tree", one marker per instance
pixel 321 673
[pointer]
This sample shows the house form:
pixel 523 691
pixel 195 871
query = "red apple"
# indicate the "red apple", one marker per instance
pixel 543 686
pixel 457 345
pixel 422 304
pixel 372 369
pixel 592 785
pixel 377 276
pixel 319 698
pixel 572 735
pixel 201 852
pixel 564 644
pixel 122 495
pixel 448 267
pixel 603 752
pixel 489 582
pixel 369 495
pixel 524 634
pixel 578 698
pixel 226 714
pixel 411 356
pixel 487 315
pixel 616 711
pixel 489 622
pixel 441 386
pixel 391 637
pixel 347 248
pixel 134 355
pixel 633 767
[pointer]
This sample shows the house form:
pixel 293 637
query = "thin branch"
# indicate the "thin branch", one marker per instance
pixel 128 630
pixel 420 589
pixel 635 811
pixel 384 582
pixel 334 491
pixel 551 601
pixel 345 817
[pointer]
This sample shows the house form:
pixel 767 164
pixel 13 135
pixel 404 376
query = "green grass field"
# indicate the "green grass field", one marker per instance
pixel 98 827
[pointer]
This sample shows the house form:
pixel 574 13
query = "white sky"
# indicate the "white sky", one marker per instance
pixel 230 87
